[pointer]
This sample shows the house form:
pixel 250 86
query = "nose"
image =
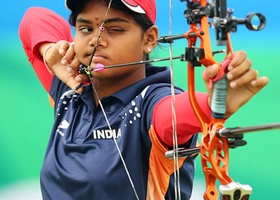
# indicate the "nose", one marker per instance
pixel 98 39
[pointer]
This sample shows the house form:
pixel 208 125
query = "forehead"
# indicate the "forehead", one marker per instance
pixel 96 11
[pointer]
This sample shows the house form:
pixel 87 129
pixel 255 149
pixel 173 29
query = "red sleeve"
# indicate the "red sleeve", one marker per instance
pixel 41 25
pixel 187 122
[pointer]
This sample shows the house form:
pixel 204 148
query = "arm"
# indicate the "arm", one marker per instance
pixel 187 122
pixel 244 83
pixel 39 29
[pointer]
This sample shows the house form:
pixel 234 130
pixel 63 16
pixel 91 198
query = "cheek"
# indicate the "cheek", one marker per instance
pixel 129 53
pixel 81 41
pixel 132 48
pixel 80 46
pixel 77 49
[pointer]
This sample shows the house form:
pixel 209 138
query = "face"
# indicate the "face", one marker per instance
pixel 122 41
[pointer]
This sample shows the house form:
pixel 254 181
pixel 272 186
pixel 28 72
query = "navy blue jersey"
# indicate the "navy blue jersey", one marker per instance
pixel 82 161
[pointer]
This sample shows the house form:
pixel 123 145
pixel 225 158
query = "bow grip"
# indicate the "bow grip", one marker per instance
pixel 219 93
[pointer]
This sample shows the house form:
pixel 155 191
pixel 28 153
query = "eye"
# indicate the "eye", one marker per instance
pixel 85 29
pixel 115 29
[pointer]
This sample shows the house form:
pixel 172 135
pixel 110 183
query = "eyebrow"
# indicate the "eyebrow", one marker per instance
pixel 82 20
pixel 110 20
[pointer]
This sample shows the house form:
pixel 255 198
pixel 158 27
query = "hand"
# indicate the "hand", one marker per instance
pixel 60 57
pixel 244 82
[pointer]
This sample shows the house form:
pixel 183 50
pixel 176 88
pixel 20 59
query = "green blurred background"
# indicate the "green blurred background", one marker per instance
pixel 26 117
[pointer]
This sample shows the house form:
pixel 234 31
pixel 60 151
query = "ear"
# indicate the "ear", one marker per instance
pixel 150 39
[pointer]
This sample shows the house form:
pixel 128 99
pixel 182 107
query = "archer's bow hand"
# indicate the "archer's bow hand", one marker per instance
pixel 244 82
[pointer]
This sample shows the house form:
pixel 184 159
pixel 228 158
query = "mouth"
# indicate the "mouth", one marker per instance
pixel 98 58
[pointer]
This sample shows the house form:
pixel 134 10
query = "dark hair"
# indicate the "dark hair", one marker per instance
pixel 140 19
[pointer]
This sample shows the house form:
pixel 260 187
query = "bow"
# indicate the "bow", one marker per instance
pixel 215 139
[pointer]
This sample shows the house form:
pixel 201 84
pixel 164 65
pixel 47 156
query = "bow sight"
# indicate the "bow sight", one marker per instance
pixel 222 19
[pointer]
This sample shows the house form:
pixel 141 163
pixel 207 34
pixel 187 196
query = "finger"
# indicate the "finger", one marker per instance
pixel 73 67
pixel 78 77
pixel 52 56
pixel 70 70
pixel 238 71
pixel 237 59
pixel 74 64
pixel 69 55
pixel 63 46
pixel 247 77
pixel 260 82
pixel 82 78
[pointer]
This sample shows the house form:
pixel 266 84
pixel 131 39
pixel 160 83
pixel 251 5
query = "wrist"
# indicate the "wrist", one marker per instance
pixel 46 49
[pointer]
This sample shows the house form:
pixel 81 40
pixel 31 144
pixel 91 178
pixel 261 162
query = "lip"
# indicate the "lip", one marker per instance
pixel 98 58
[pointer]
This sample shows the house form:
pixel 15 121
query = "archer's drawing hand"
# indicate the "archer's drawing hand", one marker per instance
pixel 244 82
pixel 62 61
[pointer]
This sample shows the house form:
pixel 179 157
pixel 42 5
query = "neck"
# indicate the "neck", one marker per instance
pixel 108 86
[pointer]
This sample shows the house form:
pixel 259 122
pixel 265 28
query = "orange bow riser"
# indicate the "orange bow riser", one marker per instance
pixel 214 149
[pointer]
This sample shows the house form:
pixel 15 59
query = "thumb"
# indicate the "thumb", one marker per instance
pixel 210 72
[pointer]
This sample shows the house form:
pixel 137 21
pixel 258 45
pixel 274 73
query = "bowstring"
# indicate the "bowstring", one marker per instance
pixel 177 189
pixel 101 105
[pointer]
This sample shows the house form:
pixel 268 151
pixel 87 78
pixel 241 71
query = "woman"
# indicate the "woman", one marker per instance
pixel 109 137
